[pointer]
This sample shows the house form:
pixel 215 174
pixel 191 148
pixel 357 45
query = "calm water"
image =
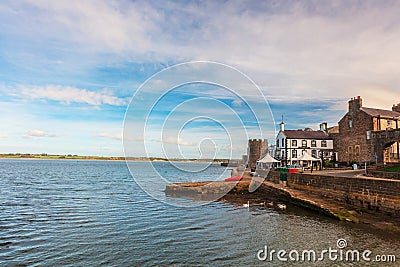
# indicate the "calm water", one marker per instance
pixel 91 213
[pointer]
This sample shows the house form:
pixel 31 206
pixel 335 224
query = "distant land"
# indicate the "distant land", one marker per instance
pixel 80 157
pixel 49 156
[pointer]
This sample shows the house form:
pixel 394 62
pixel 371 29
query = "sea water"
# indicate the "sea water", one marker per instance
pixel 93 213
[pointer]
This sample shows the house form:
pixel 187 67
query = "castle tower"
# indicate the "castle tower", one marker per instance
pixel 257 148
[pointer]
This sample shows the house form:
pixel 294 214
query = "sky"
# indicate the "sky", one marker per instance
pixel 72 72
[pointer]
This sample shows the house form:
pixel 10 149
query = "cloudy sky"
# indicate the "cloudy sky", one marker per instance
pixel 68 70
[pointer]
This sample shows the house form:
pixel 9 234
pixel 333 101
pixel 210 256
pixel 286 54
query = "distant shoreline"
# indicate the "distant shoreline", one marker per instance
pixel 78 157
pixel 55 157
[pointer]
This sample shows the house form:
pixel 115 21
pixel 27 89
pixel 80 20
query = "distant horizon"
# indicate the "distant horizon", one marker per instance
pixel 3 155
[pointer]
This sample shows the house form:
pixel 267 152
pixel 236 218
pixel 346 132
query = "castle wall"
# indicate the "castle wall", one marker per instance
pixel 257 148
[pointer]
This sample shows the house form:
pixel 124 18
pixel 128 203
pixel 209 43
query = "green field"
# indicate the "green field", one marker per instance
pixel 392 169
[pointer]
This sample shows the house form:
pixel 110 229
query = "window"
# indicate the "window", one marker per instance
pixel 294 143
pixel 294 153
pixel 314 153
pixel 304 143
pixel 350 150
pixel 368 135
pixel 350 124
pixel 283 142
pixel 313 143
pixel 323 143
pixel 277 142
pixel 357 150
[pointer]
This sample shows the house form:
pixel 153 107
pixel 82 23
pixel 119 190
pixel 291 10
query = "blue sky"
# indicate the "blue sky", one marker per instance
pixel 68 70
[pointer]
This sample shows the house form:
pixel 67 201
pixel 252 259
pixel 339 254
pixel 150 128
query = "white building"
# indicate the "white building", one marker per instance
pixel 291 145
pixel 272 150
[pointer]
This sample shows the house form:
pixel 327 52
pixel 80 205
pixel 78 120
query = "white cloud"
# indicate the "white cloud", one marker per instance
pixel 301 48
pixel 109 135
pixel 69 94
pixel 176 141
pixel 37 133
pixel 94 25
pixel 237 103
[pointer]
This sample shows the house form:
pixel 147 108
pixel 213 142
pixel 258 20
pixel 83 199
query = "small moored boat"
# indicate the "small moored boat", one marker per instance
pixel 235 178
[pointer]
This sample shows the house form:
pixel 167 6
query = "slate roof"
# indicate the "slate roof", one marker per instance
pixel 333 129
pixel 374 112
pixel 300 134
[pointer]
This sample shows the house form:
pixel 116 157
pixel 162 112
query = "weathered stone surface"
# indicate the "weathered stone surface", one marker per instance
pixel 382 139
pixel 365 132
pixel 367 200
pixel 353 129
pixel 379 195
pixel 257 148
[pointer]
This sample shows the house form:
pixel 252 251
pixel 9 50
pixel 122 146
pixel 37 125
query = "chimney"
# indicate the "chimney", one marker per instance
pixel 396 108
pixel 282 126
pixel 323 127
pixel 355 104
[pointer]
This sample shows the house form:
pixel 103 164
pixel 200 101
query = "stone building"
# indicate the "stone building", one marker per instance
pixel 256 149
pixel 354 142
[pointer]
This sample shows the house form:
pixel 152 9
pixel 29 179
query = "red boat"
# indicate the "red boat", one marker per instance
pixel 236 178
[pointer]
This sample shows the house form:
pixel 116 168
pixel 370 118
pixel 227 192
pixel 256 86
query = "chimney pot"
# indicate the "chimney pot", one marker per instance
pixel 355 104
pixel 396 108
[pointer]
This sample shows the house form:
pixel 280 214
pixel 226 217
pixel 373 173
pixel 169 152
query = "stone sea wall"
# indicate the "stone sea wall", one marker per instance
pixel 372 194
pixel 387 175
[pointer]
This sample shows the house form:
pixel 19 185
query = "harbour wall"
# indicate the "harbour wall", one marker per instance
pixel 378 171
pixel 372 194
pixel 386 175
